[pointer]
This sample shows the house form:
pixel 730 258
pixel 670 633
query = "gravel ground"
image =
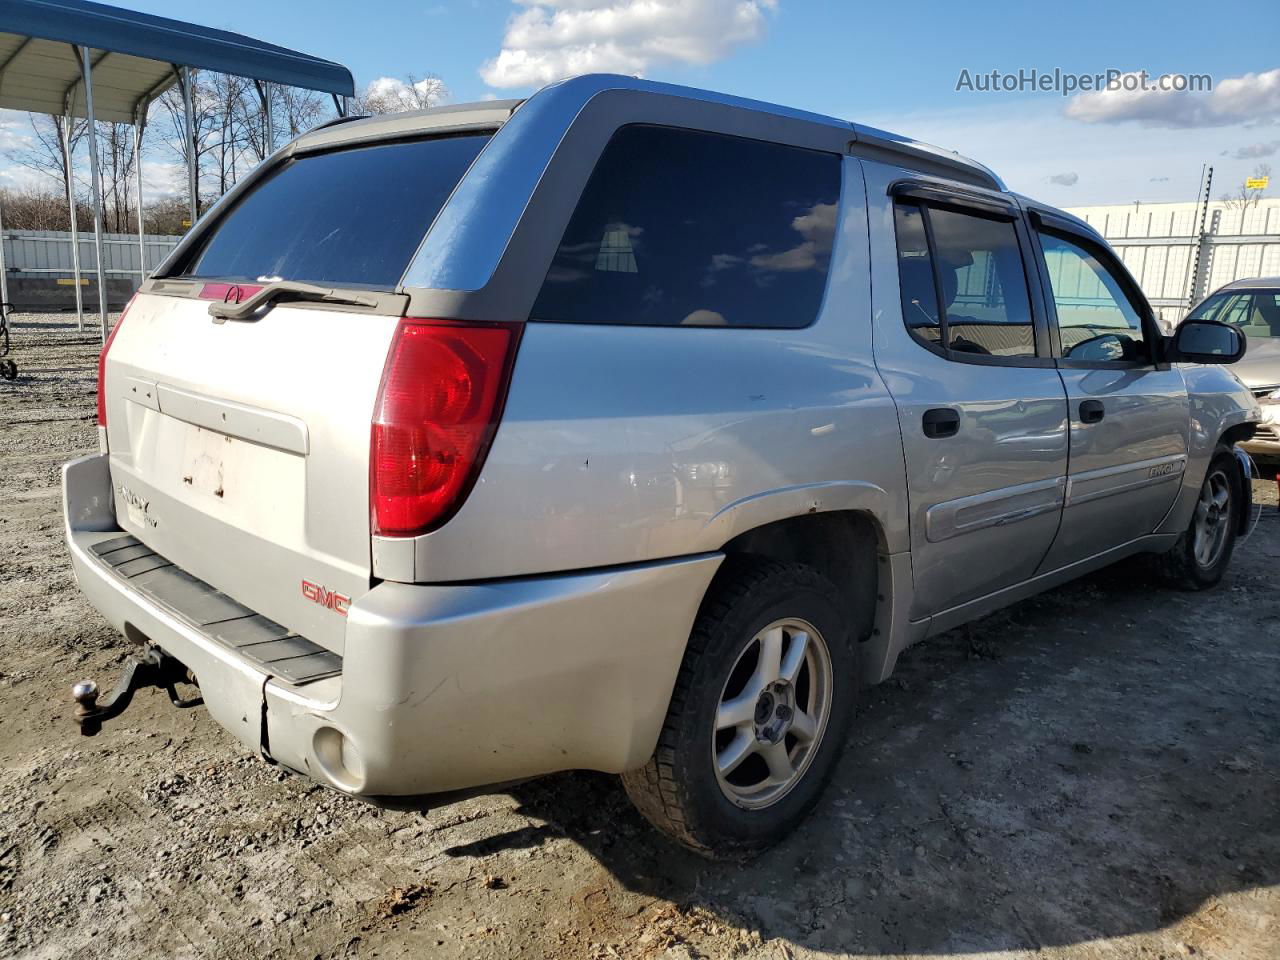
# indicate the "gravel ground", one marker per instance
pixel 1092 773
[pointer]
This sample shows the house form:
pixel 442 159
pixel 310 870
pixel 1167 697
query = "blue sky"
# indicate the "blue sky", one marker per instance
pixel 890 64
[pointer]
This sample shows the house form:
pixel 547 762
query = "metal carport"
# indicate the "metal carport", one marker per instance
pixel 79 59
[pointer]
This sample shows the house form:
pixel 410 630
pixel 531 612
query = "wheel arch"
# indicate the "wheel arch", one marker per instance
pixel 1244 469
pixel 848 547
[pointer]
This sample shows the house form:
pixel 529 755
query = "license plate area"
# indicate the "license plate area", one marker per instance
pixel 250 486
pixel 205 456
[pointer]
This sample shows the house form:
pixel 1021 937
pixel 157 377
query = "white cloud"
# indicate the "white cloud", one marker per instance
pixel 552 39
pixel 1251 97
pixel 391 94
pixel 1256 151
pixel 1065 179
pixel 1027 142
pixel 21 179
pixel 15 132
pixel 161 179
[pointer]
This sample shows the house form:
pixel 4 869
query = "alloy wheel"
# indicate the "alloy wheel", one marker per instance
pixel 772 713
pixel 1212 519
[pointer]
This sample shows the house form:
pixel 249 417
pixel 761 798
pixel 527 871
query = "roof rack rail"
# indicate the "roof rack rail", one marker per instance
pixel 337 120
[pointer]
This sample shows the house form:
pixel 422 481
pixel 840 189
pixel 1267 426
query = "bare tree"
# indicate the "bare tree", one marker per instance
pixel 230 139
pixel 238 111
pixel 389 95
pixel 206 121
pixel 33 208
pixel 253 124
pixel 47 154
pixel 166 215
pixel 1247 197
pixel 116 175
pixel 299 109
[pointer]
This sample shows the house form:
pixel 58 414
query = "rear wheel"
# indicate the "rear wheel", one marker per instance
pixel 1199 559
pixel 759 714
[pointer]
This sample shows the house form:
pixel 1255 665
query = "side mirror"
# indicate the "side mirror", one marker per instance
pixel 1206 341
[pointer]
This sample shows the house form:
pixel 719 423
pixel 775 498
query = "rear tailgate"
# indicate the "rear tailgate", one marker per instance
pixel 239 451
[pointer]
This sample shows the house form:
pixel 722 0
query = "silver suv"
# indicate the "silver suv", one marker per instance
pixel 631 428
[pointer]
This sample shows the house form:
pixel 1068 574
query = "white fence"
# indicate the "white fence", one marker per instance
pixel 47 254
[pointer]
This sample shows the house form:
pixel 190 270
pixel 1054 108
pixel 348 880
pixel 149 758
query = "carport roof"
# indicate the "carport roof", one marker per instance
pixel 133 56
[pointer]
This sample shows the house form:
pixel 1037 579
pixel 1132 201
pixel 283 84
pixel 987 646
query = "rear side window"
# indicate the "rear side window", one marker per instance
pixel 352 217
pixel 915 274
pixel 962 281
pixel 679 227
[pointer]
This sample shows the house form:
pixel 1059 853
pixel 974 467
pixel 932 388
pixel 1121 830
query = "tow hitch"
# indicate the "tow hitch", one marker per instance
pixel 152 668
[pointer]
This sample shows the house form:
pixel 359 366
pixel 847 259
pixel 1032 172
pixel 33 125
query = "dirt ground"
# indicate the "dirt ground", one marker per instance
pixel 1094 773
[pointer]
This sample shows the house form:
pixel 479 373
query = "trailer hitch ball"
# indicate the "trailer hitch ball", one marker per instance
pixel 152 668
pixel 85 694
pixel 86 707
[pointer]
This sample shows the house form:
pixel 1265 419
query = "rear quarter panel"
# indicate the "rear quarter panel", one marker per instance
pixel 622 444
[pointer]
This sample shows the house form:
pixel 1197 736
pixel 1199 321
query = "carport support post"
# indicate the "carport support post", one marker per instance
pixel 4 270
pixel 193 169
pixel 86 70
pixel 67 121
pixel 139 124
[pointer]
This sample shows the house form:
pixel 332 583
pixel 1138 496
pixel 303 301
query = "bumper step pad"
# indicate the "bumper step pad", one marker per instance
pixel 276 649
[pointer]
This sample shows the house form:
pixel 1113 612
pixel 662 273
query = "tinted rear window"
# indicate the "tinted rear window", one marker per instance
pixel 352 216
pixel 679 227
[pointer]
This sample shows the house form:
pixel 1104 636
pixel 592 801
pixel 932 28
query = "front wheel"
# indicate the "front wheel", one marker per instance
pixel 759 714
pixel 1199 558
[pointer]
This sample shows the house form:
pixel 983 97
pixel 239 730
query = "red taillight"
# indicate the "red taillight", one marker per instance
pixel 102 366
pixel 441 396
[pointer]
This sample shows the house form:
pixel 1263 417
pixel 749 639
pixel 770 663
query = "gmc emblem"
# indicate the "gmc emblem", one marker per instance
pixel 336 602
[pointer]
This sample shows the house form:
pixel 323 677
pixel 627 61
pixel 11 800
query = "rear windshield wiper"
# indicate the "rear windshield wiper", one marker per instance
pixel 286 290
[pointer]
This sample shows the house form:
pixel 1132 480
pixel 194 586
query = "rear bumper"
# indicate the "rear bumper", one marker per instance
pixel 442 688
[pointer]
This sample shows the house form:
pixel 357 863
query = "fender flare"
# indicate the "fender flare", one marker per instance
pixel 783 503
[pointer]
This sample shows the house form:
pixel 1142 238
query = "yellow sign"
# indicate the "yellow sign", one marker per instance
pixel 70 282
pixel 186 223
pixel 1257 183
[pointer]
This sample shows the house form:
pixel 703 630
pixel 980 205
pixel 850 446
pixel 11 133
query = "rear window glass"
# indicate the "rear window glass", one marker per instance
pixel 353 216
pixel 678 227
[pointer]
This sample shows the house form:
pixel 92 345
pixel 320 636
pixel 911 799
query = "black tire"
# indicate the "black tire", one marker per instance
pixel 1188 565
pixel 678 790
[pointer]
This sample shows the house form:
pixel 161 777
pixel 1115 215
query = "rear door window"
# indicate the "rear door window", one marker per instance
pixel 915 275
pixel 352 217
pixel 963 285
pixel 680 227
